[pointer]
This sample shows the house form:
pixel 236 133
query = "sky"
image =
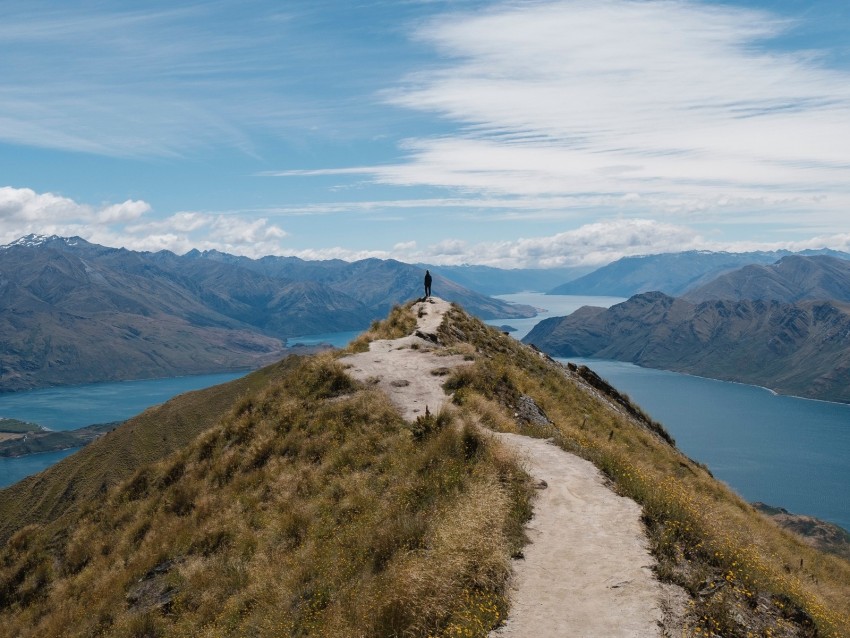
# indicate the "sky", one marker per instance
pixel 513 134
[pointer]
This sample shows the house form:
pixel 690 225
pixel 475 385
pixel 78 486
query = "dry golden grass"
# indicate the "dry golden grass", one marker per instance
pixel 84 476
pixel 311 509
pixel 400 323
pixel 745 575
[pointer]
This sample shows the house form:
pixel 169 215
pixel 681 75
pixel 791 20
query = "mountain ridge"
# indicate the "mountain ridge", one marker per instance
pixel 299 500
pixel 671 273
pixel 790 279
pixel 799 349
pixel 74 312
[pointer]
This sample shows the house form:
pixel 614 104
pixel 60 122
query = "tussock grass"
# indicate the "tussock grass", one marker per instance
pixel 311 508
pixel 745 576
pixel 399 323
pixel 84 477
pixel 308 507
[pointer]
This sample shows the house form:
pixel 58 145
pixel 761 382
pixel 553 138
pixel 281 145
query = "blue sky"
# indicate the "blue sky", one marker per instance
pixel 515 134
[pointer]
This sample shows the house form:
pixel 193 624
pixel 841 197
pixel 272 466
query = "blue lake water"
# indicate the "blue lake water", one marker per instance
pixel 72 407
pixel 784 451
pixel 781 450
pixel 549 306
pixel 335 339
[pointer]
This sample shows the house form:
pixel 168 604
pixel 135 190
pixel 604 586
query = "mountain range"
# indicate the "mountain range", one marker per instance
pixel 785 326
pixel 74 312
pixel 793 278
pixel 671 273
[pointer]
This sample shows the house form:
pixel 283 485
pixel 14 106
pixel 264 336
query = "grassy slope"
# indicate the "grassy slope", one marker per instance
pixel 310 508
pixel 87 474
pixel 746 576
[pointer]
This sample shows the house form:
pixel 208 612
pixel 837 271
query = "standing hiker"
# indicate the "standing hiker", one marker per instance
pixel 427 284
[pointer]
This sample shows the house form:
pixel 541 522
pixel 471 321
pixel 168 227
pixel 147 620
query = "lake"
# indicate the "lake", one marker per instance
pixel 784 451
pixel 71 407
pixel 549 306
pixel 781 450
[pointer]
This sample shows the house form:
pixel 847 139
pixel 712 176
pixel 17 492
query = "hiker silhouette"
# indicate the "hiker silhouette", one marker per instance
pixel 427 284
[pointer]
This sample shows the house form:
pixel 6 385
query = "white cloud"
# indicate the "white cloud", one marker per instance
pixel 671 109
pixel 126 211
pixel 25 206
pixel 23 211
pixel 591 245
pixel 404 247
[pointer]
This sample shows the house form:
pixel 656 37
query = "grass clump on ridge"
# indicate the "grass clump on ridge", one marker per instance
pixel 399 323
pixel 311 509
pixel 745 576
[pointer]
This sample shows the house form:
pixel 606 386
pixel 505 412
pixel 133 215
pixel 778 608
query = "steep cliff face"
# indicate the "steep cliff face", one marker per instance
pixel 801 349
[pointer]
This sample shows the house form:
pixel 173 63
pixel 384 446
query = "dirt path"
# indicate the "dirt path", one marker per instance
pixel 410 370
pixel 586 572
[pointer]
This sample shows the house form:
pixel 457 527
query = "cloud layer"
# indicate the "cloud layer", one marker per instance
pixel 130 225
pixel 618 127
pixel 678 108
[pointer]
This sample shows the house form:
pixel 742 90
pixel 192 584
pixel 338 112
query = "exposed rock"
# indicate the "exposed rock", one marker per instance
pixel 528 412
pixel 153 591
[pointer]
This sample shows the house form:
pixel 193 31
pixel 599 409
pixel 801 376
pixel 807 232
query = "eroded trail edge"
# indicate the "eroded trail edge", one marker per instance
pixel 587 570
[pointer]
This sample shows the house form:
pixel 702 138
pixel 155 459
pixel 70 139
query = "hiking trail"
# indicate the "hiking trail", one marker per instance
pixel 586 571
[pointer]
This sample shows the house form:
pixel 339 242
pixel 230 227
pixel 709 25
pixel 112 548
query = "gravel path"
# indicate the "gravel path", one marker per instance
pixel 410 370
pixel 586 572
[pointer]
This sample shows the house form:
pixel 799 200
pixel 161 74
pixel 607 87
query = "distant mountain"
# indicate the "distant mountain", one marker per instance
pixel 378 284
pixel 670 273
pixel 75 312
pixel 792 278
pixel 498 281
pixel 801 349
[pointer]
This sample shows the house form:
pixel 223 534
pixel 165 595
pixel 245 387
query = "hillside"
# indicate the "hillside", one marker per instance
pixel 379 284
pixel 791 279
pixel 301 501
pixel 73 312
pixel 671 273
pixel 800 349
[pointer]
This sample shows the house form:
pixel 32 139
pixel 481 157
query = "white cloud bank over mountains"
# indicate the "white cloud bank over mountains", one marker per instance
pixel 629 127
pixel 23 211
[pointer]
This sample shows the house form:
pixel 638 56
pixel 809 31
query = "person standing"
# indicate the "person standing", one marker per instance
pixel 427 284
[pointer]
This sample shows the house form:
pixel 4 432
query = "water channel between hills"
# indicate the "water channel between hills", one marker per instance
pixel 785 451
